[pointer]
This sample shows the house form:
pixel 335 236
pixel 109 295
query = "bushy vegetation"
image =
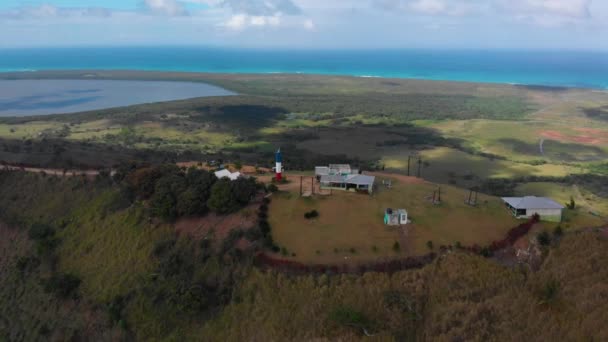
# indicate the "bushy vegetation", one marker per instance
pixel 458 297
pixel 173 192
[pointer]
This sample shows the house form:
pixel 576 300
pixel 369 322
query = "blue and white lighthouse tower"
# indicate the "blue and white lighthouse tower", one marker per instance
pixel 278 158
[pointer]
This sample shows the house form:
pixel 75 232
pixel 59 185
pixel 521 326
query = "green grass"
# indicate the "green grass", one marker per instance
pixel 110 251
pixel 446 165
pixel 349 220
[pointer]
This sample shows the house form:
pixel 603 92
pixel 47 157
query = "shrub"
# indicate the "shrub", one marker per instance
pixel 160 247
pixel 272 188
pixel 39 231
pixel 311 214
pixel 374 249
pixel 253 234
pixel 353 250
pixel 486 252
pixel 396 247
pixel 429 244
pixel 558 231
pixel 571 205
pixel 284 251
pixel 549 292
pixel 347 316
pixel 543 238
pixel 115 309
pixel 62 284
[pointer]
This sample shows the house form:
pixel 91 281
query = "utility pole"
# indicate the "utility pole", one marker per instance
pixel 419 165
pixel 439 198
pixel 301 180
pixel 409 158
pixel 312 184
pixel 476 197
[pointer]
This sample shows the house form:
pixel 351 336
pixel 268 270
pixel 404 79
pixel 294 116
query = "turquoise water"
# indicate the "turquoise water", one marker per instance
pixel 550 68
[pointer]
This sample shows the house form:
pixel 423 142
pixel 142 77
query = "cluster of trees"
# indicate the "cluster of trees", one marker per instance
pixel 173 192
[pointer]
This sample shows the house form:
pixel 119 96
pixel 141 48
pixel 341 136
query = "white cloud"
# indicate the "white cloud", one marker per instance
pixel 236 22
pixel 165 7
pixel 51 11
pixel 547 13
pixel 432 7
pixel 563 8
pixel 254 7
pixel 239 22
pixel 309 25
pixel 429 6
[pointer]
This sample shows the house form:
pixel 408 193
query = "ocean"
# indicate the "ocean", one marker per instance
pixel 549 68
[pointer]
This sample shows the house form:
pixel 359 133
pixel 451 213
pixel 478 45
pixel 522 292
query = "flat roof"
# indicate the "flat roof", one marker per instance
pixel 532 202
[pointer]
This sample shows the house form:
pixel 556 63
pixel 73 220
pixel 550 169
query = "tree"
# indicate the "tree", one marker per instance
pixel 165 198
pixel 222 200
pixel 243 189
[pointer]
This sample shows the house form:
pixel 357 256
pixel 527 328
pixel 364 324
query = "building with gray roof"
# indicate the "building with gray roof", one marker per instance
pixel 526 207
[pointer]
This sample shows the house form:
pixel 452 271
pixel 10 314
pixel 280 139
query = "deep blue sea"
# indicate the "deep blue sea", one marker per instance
pixel 551 68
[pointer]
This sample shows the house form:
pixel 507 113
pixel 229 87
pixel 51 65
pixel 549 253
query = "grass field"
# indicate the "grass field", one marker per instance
pixel 447 165
pixel 350 221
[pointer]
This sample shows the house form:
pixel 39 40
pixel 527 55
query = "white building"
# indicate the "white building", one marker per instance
pixel 526 207
pixel 227 174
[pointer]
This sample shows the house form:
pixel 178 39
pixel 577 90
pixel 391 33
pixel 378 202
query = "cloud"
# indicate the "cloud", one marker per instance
pixel 563 8
pixel 309 25
pixel 431 7
pixel 46 11
pixel 170 8
pixel 254 7
pixel 239 22
pixel 547 13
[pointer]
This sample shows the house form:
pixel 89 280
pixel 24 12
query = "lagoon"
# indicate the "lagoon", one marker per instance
pixel 43 97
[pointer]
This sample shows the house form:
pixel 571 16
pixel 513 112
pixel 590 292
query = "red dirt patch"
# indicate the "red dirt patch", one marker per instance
pixel 591 136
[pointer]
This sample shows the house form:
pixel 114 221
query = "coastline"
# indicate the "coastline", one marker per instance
pixel 207 77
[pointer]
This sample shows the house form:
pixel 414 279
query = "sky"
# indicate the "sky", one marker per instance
pixel 308 24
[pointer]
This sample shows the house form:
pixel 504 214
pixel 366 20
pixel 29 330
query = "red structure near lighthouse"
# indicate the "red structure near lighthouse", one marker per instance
pixel 279 165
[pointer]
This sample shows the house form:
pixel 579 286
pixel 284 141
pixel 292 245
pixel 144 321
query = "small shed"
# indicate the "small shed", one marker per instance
pixel 395 217
pixel 526 207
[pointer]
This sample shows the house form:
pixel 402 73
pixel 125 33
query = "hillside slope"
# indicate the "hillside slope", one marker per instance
pixel 80 263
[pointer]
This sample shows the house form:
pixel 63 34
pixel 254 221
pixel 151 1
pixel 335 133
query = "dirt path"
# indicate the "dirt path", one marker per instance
pixel 54 172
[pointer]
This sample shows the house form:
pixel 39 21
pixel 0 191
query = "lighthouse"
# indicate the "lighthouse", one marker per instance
pixel 279 165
